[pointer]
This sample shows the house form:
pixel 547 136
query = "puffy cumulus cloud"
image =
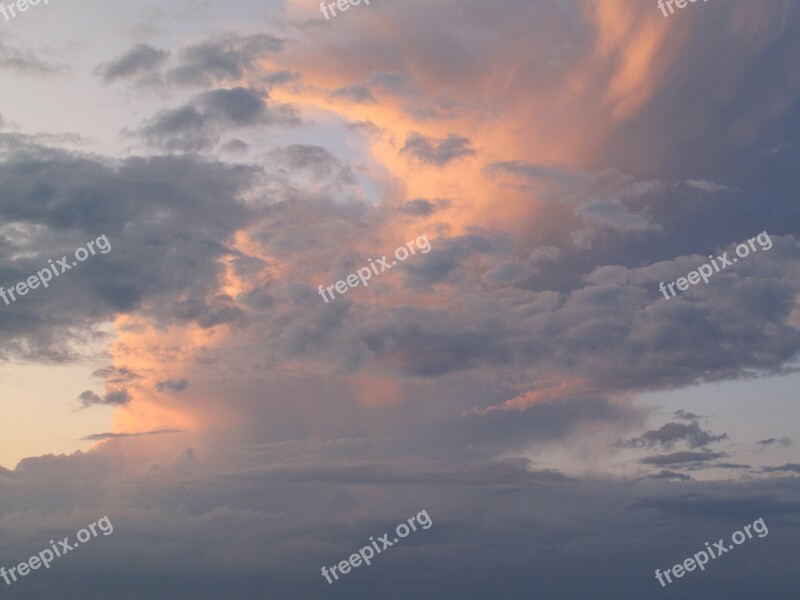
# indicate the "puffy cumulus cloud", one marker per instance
pixel 554 289
pixel 214 61
pixel 528 328
pixel 198 125
pixel 53 201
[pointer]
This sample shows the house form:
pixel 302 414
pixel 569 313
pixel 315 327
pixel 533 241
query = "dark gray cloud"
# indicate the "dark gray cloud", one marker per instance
pixel 117 375
pixel 141 59
pixel 318 161
pixel 671 433
pixel 612 213
pixel 714 506
pixel 682 458
pixel 508 505
pixel 421 207
pixel 112 398
pixel 784 441
pixel 173 385
pixel 686 416
pixel 64 199
pixel 437 151
pixel 299 487
pixel 197 126
pixel 669 475
pixel 226 58
pixel 394 84
pixel 787 468
pixel 111 436
pixel 557 174
pixel 355 93
pixel 539 424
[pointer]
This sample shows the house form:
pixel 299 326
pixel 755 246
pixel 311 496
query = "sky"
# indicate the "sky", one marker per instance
pixel 571 428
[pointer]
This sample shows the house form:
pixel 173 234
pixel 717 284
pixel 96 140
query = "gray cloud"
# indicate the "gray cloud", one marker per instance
pixel 420 207
pixel 25 62
pixel 315 159
pixel 117 375
pixel 686 416
pixel 112 398
pixel 671 433
pixel 669 475
pixel 64 199
pixel 784 441
pixel 172 385
pixel 197 126
pixel 141 59
pixel 226 58
pixel 437 151
pixel 682 458
pixel 612 213
pixel 787 468
pixel 111 436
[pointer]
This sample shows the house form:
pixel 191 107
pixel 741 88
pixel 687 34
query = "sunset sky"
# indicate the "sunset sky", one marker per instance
pixel 568 429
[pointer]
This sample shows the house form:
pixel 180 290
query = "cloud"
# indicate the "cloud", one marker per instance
pixel 706 186
pixel 686 416
pixel 222 59
pixel 140 59
pixel 668 475
pixel 112 398
pixel 25 62
pixel 62 199
pixel 111 436
pixel 318 161
pixel 788 467
pixel 172 385
pixel 197 126
pixel 784 441
pixel 612 213
pixel 310 427
pixel 682 458
pixel 437 151
pixel 117 375
pixel 670 434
